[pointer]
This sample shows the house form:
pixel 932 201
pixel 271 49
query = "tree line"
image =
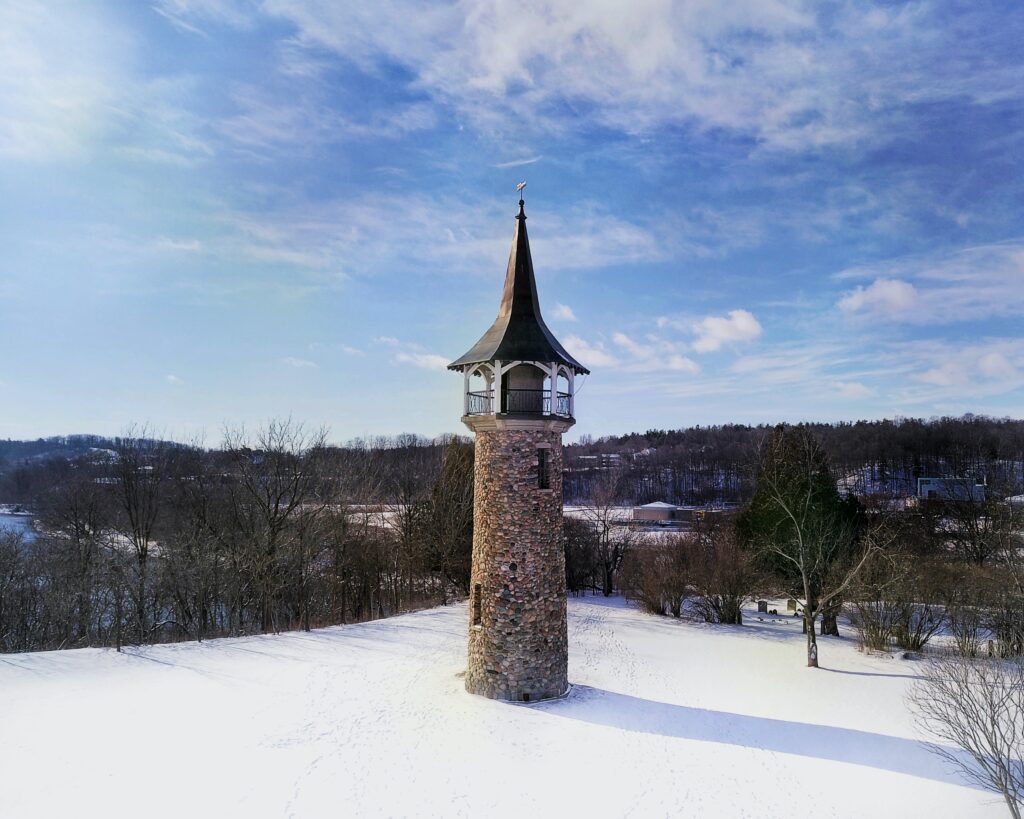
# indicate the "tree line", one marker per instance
pixel 274 530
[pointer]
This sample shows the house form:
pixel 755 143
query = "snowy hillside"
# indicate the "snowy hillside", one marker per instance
pixel 666 719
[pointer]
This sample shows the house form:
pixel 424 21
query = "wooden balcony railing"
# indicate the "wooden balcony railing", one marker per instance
pixel 535 402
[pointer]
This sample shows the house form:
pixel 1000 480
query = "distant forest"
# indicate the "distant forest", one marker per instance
pixel 701 465
pixel 698 465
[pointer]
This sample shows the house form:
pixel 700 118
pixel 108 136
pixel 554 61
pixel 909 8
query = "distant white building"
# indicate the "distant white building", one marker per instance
pixel 657 512
pixel 951 489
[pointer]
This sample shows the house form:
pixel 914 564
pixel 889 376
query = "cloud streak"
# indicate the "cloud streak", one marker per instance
pixel 425 361
pixel 516 163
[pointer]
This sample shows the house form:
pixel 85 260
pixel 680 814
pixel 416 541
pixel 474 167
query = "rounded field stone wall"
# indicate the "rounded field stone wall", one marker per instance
pixel 518 647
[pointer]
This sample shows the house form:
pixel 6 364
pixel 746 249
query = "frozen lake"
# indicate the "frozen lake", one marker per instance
pixel 16 523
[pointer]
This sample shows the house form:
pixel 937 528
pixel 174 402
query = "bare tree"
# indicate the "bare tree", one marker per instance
pixel 799 528
pixel 273 487
pixel 723 574
pixel 12 586
pixel 658 576
pixel 612 537
pixel 408 488
pixel 448 545
pixel 582 569
pixel 76 513
pixel 141 470
pixel 977 706
pixel 976 521
pixel 1007 618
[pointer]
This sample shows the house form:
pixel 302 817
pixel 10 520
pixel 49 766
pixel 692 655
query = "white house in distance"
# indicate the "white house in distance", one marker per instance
pixel 951 489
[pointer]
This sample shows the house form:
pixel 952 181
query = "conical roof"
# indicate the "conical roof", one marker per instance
pixel 519 332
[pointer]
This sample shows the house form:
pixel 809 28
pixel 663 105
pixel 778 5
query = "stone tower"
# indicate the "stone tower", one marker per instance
pixel 518 383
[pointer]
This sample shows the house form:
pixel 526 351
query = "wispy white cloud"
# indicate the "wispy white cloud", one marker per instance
pixel 409 352
pixel 715 331
pixel 426 361
pixel 335 240
pixel 299 363
pixel 564 312
pixel 853 389
pixel 185 14
pixel 173 379
pixel 515 163
pixel 632 347
pixel 979 282
pixel 332 347
pixel 58 80
pixel 265 123
pixel 70 89
pixel 178 245
pixel 885 296
pixel 589 354
pixel 653 355
pixel 790 74
pixel 993 364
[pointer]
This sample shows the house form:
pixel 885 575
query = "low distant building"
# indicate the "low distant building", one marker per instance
pixel 661 513
pixel 951 489
pixel 657 512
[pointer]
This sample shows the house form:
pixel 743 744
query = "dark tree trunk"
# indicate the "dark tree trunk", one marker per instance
pixel 812 645
pixel 119 615
pixel 810 615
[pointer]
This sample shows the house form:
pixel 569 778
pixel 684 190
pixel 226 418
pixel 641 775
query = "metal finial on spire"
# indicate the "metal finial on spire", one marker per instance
pixel 519 187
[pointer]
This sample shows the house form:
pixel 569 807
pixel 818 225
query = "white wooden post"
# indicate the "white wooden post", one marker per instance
pixel 465 390
pixel 496 392
pixel 553 391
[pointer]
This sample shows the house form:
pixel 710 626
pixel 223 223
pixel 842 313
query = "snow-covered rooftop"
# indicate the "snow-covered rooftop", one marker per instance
pixel 666 719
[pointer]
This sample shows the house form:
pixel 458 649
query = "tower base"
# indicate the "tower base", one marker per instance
pixel 518 642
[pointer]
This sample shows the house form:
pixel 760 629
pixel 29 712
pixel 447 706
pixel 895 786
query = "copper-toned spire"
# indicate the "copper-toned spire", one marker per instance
pixel 519 332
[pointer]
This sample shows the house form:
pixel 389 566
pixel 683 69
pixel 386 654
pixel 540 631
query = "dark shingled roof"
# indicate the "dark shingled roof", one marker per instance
pixel 519 332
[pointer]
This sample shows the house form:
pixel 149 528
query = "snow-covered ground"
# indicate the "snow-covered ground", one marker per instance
pixel 666 719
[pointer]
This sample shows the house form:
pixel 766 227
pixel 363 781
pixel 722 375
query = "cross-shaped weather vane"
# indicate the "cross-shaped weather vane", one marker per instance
pixel 520 187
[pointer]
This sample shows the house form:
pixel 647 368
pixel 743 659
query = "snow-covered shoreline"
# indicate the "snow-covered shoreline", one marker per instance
pixel 15 510
pixel 666 718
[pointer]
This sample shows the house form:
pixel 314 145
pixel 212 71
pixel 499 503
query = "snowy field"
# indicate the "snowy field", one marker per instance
pixel 666 719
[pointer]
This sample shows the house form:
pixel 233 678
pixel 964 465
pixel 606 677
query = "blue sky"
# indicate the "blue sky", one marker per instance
pixel 221 212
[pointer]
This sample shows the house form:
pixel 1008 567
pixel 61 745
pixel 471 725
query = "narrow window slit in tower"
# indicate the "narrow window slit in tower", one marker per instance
pixel 543 478
pixel 477 605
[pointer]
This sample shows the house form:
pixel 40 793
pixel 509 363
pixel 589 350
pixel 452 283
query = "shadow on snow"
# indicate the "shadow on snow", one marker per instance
pixel 895 754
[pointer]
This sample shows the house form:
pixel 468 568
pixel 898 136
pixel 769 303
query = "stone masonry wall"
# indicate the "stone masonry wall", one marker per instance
pixel 519 650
